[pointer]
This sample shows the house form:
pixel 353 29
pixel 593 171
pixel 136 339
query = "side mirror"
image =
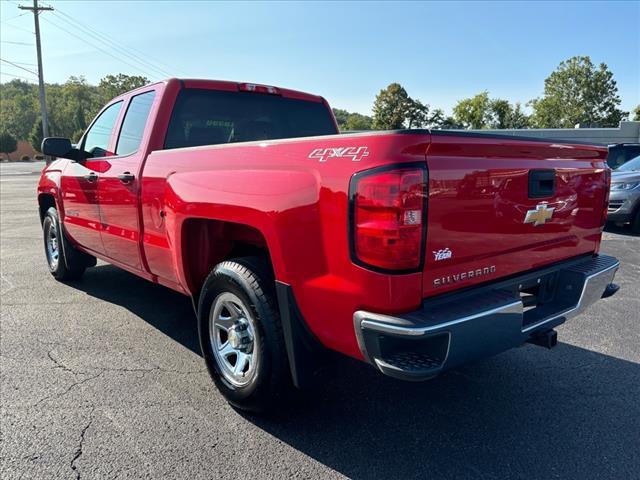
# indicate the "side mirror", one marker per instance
pixel 59 147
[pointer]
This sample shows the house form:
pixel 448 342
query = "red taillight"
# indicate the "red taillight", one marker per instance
pixel 607 186
pixel 252 87
pixel 389 218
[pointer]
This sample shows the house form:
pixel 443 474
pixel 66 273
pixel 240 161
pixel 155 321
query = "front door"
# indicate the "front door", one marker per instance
pixel 119 186
pixel 80 182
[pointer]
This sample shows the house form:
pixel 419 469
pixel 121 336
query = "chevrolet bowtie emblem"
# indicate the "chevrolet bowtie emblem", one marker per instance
pixel 540 215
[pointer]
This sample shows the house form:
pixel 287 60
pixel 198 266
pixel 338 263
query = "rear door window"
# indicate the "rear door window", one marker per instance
pixel 209 117
pixel 134 123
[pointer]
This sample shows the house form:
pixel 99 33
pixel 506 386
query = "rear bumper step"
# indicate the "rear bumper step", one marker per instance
pixel 458 329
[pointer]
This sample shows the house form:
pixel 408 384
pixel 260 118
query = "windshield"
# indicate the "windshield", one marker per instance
pixel 632 165
pixel 209 117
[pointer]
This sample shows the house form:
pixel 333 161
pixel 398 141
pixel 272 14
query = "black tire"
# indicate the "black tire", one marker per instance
pixel 635 221
pixel 61 266
pixel 249 280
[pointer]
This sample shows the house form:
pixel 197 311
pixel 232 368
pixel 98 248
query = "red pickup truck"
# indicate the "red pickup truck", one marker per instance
pixel 413 250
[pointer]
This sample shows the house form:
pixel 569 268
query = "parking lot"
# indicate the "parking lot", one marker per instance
pixel 103 378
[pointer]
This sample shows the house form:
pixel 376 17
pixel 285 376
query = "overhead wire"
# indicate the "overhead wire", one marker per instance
pixel 137 68
pixel 17 43
pixel 133 50
pixel 20 28
pixel 102 37
pixel 13 18
pixel 18 66
pixel 16 76
pixel 27 64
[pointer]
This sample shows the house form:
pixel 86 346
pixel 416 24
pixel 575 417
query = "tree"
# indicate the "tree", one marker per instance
pixel 18 107
pixel 417 114
pixel 351 121
pixel 636 114
pixel 8 143
pixel 517 118
pixel 449 123
pixel 437 119
pixel 35 137
pixel 341 117
pixel 391 107
pixel 474 112
pixel 500 113
pixel 578 92
pixel 72 106
pixel 505 115
pixel 113 85
pixel 480 112
pixel 356 121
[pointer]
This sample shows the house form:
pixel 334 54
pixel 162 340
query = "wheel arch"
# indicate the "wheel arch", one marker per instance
pixel 205 242
pixel 45 202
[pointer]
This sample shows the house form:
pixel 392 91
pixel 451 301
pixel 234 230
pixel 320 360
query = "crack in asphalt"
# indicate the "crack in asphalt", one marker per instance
pixel 67 390
pixel 78 453
pixel 61 365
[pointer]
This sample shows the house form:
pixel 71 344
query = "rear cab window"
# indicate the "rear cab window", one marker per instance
pixel 209 117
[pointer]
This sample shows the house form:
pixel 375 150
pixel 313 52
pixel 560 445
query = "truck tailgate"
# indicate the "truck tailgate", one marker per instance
pixel 498 207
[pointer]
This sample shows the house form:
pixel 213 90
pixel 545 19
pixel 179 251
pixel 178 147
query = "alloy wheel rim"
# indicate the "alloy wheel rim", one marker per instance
pixel 53 252
pixel 232 332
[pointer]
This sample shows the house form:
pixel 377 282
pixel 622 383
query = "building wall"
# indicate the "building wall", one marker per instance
pixel 627 132
pixel 24 148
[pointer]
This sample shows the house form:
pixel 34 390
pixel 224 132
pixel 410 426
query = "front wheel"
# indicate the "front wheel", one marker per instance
pixel 59 265
pixel 241 335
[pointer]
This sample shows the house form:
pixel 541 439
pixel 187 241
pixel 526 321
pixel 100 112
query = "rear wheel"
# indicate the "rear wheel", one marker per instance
pixel 241 335
pixel 60 265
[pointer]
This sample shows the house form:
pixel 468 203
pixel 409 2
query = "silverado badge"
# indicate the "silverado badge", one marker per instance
pixel 540 215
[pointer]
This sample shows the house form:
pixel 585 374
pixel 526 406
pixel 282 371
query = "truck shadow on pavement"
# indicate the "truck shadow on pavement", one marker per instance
pixel 527 413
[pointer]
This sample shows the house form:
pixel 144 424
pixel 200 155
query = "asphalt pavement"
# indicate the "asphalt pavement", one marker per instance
pixel 103 378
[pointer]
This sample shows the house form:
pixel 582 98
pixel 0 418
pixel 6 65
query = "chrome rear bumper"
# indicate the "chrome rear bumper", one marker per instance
pixel 460 328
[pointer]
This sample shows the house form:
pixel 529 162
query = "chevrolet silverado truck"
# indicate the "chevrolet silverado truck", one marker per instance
pixel 413 250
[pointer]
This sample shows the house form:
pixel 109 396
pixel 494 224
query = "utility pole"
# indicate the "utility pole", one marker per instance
pixel 43 104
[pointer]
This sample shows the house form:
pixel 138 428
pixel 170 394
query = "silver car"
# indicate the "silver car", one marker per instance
pixel 624 200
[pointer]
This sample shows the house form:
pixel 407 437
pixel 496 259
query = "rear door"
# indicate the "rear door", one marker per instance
pixel 120 184
pixel 500 207
pixel 80 182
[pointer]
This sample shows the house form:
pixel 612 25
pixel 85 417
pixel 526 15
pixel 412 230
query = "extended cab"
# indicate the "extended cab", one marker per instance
pixel 415 250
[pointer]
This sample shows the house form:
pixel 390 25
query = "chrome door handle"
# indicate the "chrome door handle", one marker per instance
pixel 91 177
pixel 126 177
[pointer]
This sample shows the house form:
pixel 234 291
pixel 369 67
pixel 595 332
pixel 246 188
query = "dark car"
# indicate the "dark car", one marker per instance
pixel 624 200
pixel 621 153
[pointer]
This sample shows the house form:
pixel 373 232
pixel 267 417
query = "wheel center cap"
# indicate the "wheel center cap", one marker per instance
pixel 234 338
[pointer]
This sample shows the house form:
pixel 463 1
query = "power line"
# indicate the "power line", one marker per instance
pixel 17 43
pixel 133 51
pixel 20 28
pixel 27 64
pixel 18 66
pixel 16 76
pixel 100 49
pixel 122 49
pixel 13 18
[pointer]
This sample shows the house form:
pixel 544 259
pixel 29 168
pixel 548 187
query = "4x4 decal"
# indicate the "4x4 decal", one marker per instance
pixel 354 153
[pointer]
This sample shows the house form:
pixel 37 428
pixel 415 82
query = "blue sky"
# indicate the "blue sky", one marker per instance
pixel 347 52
